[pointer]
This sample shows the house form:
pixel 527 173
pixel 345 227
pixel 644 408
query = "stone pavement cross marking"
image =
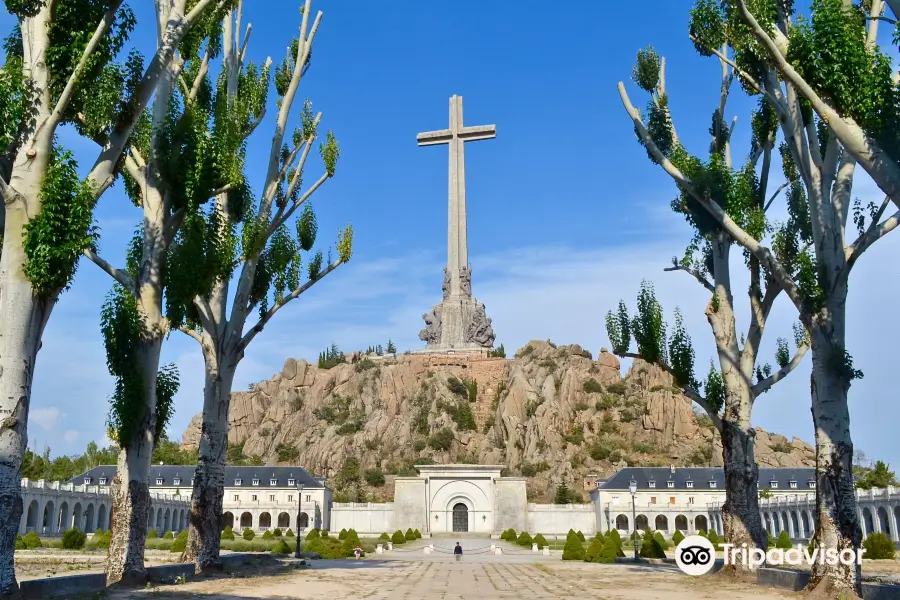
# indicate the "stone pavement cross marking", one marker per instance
pixel 455 138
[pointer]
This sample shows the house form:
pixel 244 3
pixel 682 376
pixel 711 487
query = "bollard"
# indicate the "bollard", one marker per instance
pixel 534 547
pixel 390 546
pixel 493 547
pixel 498 551
pixel 379 549
pixel 431 546
pixel 546 550
pixel 426 550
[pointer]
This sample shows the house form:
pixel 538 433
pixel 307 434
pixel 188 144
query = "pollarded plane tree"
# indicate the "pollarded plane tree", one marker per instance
pixel 63 66
pixel 257 243
pixel 813 275
pixel 180 156
pixel 732 387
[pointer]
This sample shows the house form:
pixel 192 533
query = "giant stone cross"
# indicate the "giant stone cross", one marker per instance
pixel 458 322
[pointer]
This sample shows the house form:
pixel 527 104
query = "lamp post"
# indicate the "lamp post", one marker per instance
pixel 632 487
pixel 299 514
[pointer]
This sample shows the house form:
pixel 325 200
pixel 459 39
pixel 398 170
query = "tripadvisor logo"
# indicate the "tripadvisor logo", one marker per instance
pixel 695 555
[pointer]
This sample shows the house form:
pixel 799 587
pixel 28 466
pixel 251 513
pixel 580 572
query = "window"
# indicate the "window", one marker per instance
pixel 176 481
pixel 690 484
pixel 812 484
pixel 712 484
pixel 253 497
pixel 653 500
pixel 290 498
pixel 237 497
pixel 273 482
pixel 159 481
pixel 793 485
pixel 671 484
pixel 652 484
pixel 237 482
pixel 671 499
pixel 690 499
pixel 103 481
pixel 291 483
pixel 271 497
pixel 256 482
pixel 307 497
pixel 773 484
pixel 87 481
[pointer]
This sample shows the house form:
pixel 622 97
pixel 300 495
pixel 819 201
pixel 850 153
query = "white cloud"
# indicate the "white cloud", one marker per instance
pixel 47 418
pixel 70 436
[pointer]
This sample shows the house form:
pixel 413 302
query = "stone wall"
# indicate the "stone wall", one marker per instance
pixel 511 505
pixel 409 493
pixel 558 519
pixel 366 519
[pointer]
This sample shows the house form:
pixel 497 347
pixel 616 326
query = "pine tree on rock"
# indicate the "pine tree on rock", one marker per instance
pixel 811 262
pixel 258 243
pixel 64 66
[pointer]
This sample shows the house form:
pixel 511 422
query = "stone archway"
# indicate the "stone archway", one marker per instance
pixel 796 523
pixel 700 523
pixel 681 523
pixel 460 518
pixel 302 521
pixel 78 517
pixel 63 520
pixel 48 523
pixel 101 518
pixel 89 519
pixel 159 521
pixel 641 523
pixel 265 520
pixel 228 520
pixel 868 523
pixel 662 523
pixel 246 520
pixel 284 520
pixel 622 522
pixel 884 522
pixel 31 519
pixel 804 517
pixel 897 522
pixel 785 522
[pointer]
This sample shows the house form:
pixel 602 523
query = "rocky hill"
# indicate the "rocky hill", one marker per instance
pixel 551 413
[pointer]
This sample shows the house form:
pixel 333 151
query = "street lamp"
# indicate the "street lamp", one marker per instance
pixel 632 487
pixel 299 515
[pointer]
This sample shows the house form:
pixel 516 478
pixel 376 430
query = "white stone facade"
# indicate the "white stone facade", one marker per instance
pixel 51 507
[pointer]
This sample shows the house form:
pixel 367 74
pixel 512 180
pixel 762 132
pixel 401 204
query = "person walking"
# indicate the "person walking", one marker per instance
pixel 457 552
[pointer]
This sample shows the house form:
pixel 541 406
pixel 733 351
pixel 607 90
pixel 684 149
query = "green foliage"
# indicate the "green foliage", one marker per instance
pixel 646 70
pixel 268 535
pixel 524 540
pixel 287 452
pixel 169 535
pixel 342 534
pixel 461 413
pixel 398 538
pixel 879 476
pixel 499 352
pixel 32 540
pixel 410 535
pixel 509 535
pixel 677 537
pixel 661 540
pixel 180 542
pixel 457 387
pixel 648 327
pixel 566 496
pixel 152 534
pixel 289 533
pixel 73 539
pixel 248 534
pixel 618 329
pixel 573 550
pixel 384 537
pixel 20 542
pixel 331 357
pixel 650 547
pixel 681 355
pixel 228 533
pixel 374 477
pixel 715 388
pixel 591 386
pixel 390 348
pixel 575 435
pixel 783 541
pixel 313 534
pixel 540 540
pixel 771 540
pixel 442 440
pixel 281 547
pixel 782 353
pixel 418 534
pixel 713 537
pixel 878 547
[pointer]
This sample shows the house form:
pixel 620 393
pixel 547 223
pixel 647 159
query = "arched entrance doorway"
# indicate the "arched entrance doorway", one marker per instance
pixel 460 517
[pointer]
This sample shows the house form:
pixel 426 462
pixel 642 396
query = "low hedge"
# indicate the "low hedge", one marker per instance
pixel 878 547
pixel 180 542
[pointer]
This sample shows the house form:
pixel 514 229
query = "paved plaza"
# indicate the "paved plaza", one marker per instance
pixel 414 576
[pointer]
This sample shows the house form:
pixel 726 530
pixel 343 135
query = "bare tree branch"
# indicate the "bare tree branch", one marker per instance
pixel 775 195
pixel 190 333
pixel 768 382
pixel 198 80
pixel 117 274
pixel 695 273
pixel 875 232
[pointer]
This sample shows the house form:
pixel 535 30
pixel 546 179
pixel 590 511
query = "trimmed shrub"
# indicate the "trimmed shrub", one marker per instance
pixel 524 540
pixel 609 551
pixel 616 539
pixel 410 535
pixel 771 540
pixel 658 536
pixel 398 538
pixel 180 542
pixel 73 539
pixel 650 548
pixel 169 535
pixel 289 533
pixel 580 536
pixel 326 547
pixel 268 535
pixel 573 550
pixel 104 539
pixel 713 537
pixel 312 535
pixel 592 554
pixel 418 534
pixel 676 539
pixel 783 541
pixel 276 532
pixel 20 543
pixel 248 534
pixel 342 534
pixel 152 534
pixel 878 547
pixel 541 541
pixel 228 533
pixel 509 535
pixel 32 540
pixel 384 537
pixel 281 548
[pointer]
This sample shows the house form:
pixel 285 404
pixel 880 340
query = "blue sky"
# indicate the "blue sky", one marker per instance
pixel 566 214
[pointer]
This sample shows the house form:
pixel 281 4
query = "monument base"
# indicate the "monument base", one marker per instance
pixel 459 322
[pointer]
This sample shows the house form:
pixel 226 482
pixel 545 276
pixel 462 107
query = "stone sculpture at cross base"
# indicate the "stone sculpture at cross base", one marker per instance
pixel 459 322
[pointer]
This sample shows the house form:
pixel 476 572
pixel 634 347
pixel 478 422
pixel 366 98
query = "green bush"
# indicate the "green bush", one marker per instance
pixel 169 535
pixel 276 532
pixel 384 537
pixel 248 534
pixel 609 551
pixel 326 547
pixel 312 535
pixel 573 550
pixel 398 538
pixel 268 535
pixel 616 540
pixel 713 537
pixel 783 541
pixel 650 548
pixel 281 547
pixel 878 547
pixel 580 536
pixel 20 543
pixel 524 540
pixel 418 534
pixel 152 534
pixel 228 533
pixel 73 539
pixel 591 386
pixel 32 540
pixel 676 539
pixel 592 554
pixel 158 544
pixel 410 535
pixel 289 533
pixel 771 540
pixel 103 539
pixel 180 542
pixel 661 540
pixel 342 534
pixel 540 540
pixel 509 535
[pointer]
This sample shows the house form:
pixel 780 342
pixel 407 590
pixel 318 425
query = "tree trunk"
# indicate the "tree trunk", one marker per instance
pixel 205 531
pixel 24 316
pixel 130 489
pixel 837 523
pixel 740 513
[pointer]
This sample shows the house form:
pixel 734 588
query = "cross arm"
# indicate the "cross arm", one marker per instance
pixel 432 138
pixel 478 132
